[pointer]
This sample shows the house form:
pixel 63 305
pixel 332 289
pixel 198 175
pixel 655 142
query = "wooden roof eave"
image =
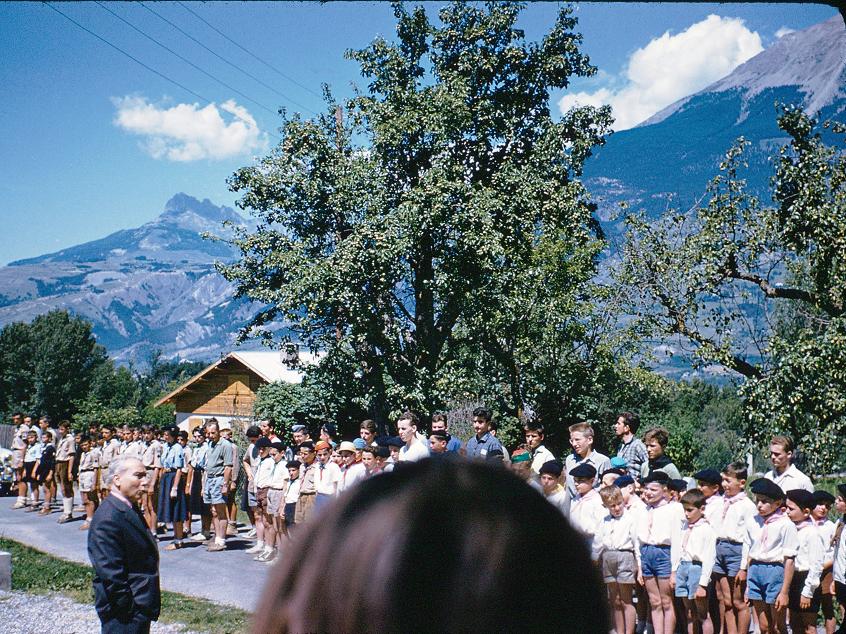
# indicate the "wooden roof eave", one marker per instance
pixel 193 379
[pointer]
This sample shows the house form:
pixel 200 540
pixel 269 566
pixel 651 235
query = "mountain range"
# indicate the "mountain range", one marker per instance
pixel 155 287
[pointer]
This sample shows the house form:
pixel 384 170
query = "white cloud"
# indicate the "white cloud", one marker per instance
pixel 671 67
pixel 186 132
pixel 785 30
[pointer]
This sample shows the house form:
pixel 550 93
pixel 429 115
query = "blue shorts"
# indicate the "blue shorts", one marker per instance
pixel 655 561
pixel 727 562
pixel 687 579
pixel 212 493
pixel 764 581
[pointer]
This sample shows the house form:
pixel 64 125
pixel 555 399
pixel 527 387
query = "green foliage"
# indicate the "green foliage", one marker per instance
pixel 758 288
pixel 47 365
pixel 439 225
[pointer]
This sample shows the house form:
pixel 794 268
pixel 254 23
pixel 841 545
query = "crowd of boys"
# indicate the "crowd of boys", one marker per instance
pixel 675 553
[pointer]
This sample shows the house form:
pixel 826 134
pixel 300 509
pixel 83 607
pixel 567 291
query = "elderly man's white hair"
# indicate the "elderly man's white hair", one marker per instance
pixel 118 466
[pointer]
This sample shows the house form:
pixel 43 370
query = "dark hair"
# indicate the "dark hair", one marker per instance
pixel 694 497
pixel 410 416
pixel 253 432
pixel 183 434
pixel 441 546
pixel 439 416
pixel 64 423
pixel 483 412
pixel 736 470
pixel 45 418
pixel 533 425
pixel 630 419
pixel 84 438
pixel 306 444
pixel 369 425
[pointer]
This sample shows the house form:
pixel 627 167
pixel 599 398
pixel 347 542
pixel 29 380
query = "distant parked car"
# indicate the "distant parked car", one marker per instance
pixel 7 474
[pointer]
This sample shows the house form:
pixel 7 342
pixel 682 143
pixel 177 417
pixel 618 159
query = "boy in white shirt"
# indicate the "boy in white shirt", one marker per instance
pixel 292 493
pixel 657 529
pixel 708 481
pixel 737 512
pixel 586 509
pixel 693 560
pixel 617 546
pixel 264 470
pixel 823 501
pixel 774 543
pixel 274 520
pixel 327 475
pixel 804 596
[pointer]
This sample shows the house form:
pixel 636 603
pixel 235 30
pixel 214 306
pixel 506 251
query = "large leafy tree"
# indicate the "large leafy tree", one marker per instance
pixel 759 288
pixel 48 364
pixel 416 220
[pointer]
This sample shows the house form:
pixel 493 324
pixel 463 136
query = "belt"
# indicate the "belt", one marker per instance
pixel 730 541
pixel 766 563
pixel 84 470
pixel 621 550
pixel 308 493
pixel 662 546
pixel 277 488
pixel 171 470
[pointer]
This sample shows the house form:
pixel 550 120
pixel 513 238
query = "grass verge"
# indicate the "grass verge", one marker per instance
pixel 36 572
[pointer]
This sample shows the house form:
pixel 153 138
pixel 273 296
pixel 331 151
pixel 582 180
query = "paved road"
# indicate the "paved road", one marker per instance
pixel 230 577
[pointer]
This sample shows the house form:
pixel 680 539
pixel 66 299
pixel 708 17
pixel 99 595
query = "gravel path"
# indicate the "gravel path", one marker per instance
pixel 22 613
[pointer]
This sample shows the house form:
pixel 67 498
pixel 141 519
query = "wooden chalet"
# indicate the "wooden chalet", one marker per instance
pixel 226 390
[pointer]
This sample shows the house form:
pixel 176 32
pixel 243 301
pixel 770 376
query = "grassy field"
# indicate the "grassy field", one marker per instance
pixel 36 572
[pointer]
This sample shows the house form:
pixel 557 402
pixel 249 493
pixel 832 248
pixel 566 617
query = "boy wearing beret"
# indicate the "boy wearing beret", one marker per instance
pixel 586 509
pixel 805 595
pixel 774 544
pixel 554 493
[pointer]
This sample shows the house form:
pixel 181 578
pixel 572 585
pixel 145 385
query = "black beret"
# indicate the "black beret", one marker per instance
pixel 278 445
pixel 657 476
pixel 677 484
pixel 623 481
pixel 381 441
pixel 263 443
pixel 710 476
pixel 841 490
pixel 395 441
pixel 823 497
pixel 802 498
pixel 330 429
pixel 383 452
pixel 552 467
pixel 583 470
pixel 767 488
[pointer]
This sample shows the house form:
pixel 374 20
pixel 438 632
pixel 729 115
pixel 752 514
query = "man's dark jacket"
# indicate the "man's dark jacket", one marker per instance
pixel 126 563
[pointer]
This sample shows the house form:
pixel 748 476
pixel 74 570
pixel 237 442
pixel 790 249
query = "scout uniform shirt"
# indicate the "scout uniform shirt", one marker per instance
pixel 586 512
pixel 773 539
pixel 698 543
pixel 109 452
pixel 66 448
pixel 738 513
pixel 327 476
pixel 152 455
pixel 540 457
pixel 89 462
pixel 811 556
pixel 617 533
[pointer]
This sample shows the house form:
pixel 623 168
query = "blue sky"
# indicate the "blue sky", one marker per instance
pixel 92 142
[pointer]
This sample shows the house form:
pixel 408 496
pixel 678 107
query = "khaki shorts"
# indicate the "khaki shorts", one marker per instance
pixel 86 481
pixel 619 566
pixel 305 505
pixel 275 502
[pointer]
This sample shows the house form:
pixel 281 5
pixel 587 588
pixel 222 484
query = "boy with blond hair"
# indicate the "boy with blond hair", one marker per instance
pixel 616 548
pixel 581 440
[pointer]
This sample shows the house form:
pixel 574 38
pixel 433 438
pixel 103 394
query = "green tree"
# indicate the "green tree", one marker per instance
pixel 760 288
pixel 48 364
pixel 400 236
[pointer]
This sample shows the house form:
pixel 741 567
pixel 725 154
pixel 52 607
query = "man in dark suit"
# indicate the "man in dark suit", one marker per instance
pixel 124 554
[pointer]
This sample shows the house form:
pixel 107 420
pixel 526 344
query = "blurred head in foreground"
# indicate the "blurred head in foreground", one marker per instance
pixel 436 546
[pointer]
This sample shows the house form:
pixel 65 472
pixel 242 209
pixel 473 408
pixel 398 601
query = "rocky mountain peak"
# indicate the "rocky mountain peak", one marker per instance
pixel 198 215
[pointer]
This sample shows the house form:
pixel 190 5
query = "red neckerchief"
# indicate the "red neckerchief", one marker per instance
pixel 779 514
pixel 727 502
pixel 690 528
